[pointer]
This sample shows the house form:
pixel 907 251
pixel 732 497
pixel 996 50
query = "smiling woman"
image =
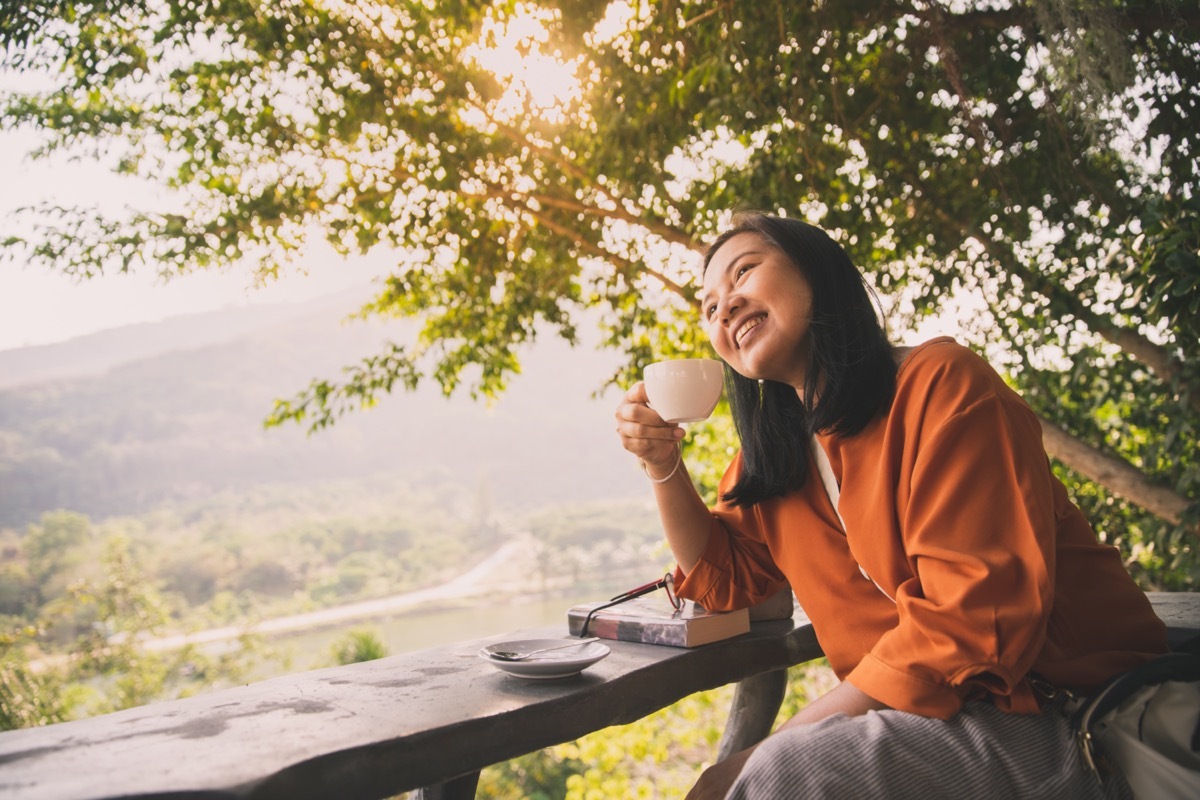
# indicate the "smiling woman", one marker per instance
pixel 757 307
pixel 904 495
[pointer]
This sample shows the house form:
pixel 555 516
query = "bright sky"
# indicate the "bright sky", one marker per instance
pixel 41 307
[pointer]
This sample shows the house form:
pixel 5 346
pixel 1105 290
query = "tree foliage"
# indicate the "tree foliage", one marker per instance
pixel 1034 160
pixel 357 645
pixel 103 634
pixel 100 664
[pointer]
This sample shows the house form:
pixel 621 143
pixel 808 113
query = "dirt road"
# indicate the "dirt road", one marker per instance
pixel 502 571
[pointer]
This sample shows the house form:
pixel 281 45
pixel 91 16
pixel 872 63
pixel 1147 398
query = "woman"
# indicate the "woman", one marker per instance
pixel 956 575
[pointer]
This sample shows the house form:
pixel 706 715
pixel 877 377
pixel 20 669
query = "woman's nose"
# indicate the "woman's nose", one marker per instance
pixel 726 308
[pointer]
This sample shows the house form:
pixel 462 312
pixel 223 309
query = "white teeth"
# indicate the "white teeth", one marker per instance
pixel 748 326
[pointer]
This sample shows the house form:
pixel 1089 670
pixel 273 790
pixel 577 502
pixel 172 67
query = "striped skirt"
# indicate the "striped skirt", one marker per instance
pixel 980 754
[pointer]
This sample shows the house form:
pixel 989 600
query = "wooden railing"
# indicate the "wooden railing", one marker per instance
pixel 426 721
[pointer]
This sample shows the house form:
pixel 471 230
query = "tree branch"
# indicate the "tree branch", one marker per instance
pixel 660 229
pixel 618 212
pixel 1114 474
pixel 663 231
pixel 1156 357
pixel 523 202
pixel 1150 18
pixel 600 252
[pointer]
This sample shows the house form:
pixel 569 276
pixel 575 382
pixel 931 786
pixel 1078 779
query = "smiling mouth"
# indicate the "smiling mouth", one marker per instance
pixel 746 327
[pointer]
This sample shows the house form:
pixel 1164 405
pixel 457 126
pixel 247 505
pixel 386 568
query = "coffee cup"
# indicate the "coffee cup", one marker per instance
pixel 684 389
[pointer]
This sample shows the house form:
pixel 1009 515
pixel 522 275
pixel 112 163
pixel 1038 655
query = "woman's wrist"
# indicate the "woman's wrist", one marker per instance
pixel 669 475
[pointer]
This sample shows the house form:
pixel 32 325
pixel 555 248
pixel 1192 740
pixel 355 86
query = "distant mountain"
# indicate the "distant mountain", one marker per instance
pixel 97 353
pixel 124 421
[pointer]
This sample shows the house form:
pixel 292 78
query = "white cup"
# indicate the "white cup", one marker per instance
pixel 684 389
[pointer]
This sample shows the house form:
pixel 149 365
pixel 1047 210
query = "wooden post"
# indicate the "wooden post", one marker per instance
pixel 756 703
pixel 460 788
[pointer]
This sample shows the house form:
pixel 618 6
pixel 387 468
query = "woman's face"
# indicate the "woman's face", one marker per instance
pixel 756 305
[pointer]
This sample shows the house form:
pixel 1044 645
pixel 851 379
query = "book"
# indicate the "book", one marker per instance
pixel 650 620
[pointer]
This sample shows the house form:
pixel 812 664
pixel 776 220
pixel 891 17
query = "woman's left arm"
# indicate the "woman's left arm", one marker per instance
pixel 845 698
pixel 979 528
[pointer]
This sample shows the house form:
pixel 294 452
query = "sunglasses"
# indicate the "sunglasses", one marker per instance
pixel 666 582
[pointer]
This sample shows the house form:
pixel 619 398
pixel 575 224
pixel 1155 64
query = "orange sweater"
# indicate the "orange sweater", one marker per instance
pixel 950 505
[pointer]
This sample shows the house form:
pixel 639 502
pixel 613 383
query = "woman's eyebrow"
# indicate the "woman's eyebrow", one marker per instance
pixel 736 260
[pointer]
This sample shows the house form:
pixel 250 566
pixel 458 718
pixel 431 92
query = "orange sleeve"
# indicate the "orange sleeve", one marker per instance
pixel 979 534
pixel 736 569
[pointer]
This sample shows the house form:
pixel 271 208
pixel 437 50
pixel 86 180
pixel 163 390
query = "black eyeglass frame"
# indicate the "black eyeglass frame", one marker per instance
pixel 666 582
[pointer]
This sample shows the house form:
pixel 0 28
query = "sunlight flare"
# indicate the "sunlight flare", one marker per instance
pixel 535 79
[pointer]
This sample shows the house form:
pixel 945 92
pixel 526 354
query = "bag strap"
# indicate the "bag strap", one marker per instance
pixel 1168 667
pixel 825 470
pixel 1183 667
pixel 1190 645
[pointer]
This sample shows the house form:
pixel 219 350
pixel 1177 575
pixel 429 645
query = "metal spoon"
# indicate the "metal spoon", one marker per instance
pixel 509 655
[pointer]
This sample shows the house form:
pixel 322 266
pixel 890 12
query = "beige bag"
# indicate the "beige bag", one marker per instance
pixel 1146 724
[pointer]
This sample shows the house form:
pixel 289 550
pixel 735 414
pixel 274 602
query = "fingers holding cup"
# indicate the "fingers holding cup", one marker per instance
pixel 643 431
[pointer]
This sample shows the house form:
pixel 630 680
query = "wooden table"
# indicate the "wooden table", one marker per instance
pixel 431 718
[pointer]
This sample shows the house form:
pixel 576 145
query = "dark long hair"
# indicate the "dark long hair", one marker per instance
pixel 851 374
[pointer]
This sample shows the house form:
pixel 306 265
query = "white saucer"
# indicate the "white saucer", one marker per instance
pixel 545 666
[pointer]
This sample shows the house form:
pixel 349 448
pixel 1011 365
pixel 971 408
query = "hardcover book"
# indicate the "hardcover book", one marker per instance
pixel 649 620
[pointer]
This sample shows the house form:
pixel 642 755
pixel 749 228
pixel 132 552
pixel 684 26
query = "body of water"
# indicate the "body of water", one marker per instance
pixel 419 629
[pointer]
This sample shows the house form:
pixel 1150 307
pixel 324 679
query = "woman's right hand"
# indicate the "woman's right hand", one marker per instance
pixel 686 521
pixel 644 433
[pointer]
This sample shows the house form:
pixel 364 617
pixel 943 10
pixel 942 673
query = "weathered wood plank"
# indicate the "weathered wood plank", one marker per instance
pixel 433 718
pixel 1179 610
pixel 371 730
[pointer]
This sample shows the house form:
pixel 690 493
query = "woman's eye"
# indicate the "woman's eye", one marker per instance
pixel 710 311
pixel 742 270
